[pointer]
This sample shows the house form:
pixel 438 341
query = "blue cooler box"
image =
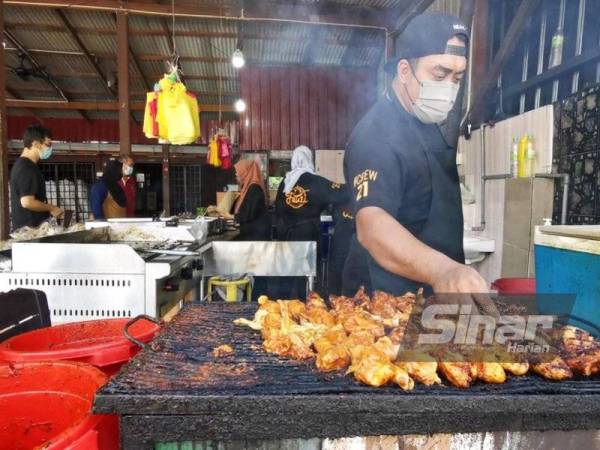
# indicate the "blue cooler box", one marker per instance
pixel 567 261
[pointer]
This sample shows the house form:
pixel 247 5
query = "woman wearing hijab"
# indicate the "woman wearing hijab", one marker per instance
pixel 107 199
pixel 250 208
pixel 301 198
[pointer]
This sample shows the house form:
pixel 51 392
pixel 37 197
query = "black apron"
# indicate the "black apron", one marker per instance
pixel 443 230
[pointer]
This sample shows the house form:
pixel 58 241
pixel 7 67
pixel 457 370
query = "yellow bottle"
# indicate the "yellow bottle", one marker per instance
pixel 522 157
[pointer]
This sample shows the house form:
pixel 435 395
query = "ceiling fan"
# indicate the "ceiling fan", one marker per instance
pixel 26 72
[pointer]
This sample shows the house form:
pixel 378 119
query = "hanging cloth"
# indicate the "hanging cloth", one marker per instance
pixel 224 145
pixel 178 113
pixel 150 116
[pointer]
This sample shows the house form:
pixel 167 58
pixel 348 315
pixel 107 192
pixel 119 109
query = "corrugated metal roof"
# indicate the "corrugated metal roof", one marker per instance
pixel 91 19
pixel 100 43
pixel 99 115
pixel 44 40
pixel 264 43
pixel 144 44
pixel 449 6
pixel 330 54
pixel 40 16
pixel 141 22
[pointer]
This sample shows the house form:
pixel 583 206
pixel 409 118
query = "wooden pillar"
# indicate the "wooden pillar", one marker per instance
pixel 123 82
pixel 4 175
pixel 480 40
pixel 166 186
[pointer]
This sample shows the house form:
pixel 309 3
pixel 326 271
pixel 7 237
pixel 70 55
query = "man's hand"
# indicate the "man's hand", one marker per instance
pixel 471 287
pixel 56 212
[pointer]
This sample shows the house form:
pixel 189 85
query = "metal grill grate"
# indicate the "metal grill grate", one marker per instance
pixel 181 363
pixel 185 188
pixel 68 186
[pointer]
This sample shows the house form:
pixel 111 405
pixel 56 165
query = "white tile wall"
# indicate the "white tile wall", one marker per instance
pixel 498 140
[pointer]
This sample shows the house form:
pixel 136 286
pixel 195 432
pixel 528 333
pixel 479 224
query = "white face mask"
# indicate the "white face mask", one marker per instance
pixel 436 100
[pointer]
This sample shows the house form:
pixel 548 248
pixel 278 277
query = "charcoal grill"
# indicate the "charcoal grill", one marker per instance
pixel 175 390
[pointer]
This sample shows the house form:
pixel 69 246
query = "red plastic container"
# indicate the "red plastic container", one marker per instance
pixel 523 286
pixel 100 343
pixel 46 405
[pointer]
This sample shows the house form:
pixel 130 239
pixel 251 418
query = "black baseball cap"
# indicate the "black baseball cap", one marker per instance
pixel 428 34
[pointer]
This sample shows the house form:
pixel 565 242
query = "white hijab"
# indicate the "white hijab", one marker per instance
pixel 302 162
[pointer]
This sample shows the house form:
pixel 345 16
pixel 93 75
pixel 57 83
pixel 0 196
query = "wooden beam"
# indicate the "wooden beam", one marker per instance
pixel 99 73
pixel 97 96
pixel 480 44
pixel 17 96
pixel 123 84
pixel 257 9
pixel 522 16
pixel 414 8
pixel 4 174
pixel 97 106
pixel 166 179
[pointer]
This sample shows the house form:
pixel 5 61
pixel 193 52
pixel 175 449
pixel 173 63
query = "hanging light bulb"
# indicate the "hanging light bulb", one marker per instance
pixel 240 106
pixel 237 59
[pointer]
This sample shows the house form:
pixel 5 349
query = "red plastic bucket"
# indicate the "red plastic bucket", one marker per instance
pixel 100 343
pixel 46 405
pixel 523 286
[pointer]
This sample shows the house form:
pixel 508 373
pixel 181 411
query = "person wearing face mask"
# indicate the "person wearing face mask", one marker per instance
pixel 28 200
pixel 127 183
pixel 406 192
pixel 107 199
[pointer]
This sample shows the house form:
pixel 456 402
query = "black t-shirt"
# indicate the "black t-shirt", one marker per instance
pixel 255 224
pixel 298 212
pixel 386 166
pixel 26 179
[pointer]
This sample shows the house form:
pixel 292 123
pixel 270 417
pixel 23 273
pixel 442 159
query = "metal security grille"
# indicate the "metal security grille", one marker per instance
pixel 68 186
pixel 185 188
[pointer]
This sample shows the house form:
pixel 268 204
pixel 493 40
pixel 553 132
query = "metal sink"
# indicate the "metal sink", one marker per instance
pixel 477 248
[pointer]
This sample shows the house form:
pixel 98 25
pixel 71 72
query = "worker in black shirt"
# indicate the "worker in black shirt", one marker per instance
pixel 301 198
pixel 28 200
pixel 406 190
pixel 250 208
pixel 346 279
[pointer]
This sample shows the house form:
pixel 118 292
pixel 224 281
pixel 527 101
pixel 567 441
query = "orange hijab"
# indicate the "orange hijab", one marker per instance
pixel 249 173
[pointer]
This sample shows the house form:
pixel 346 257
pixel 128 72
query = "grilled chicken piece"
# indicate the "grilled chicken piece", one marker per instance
pixel 342 304
pixel 362 337
pixel 222 351
pixel 491 372
pixel 511 362
pixel 361 298
pixel 390 310
pixel 551 367
pixel 456 370
pixel 373 367
pixel 373 373
pixel 420 366
pixel 361 321
pixel 333 358
pixel 331 338
pixel 402 378
pixel 319 316
pixel 314 300
pixel 386 346
pixel 488 368
pixel 296 308
pixel 580 351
